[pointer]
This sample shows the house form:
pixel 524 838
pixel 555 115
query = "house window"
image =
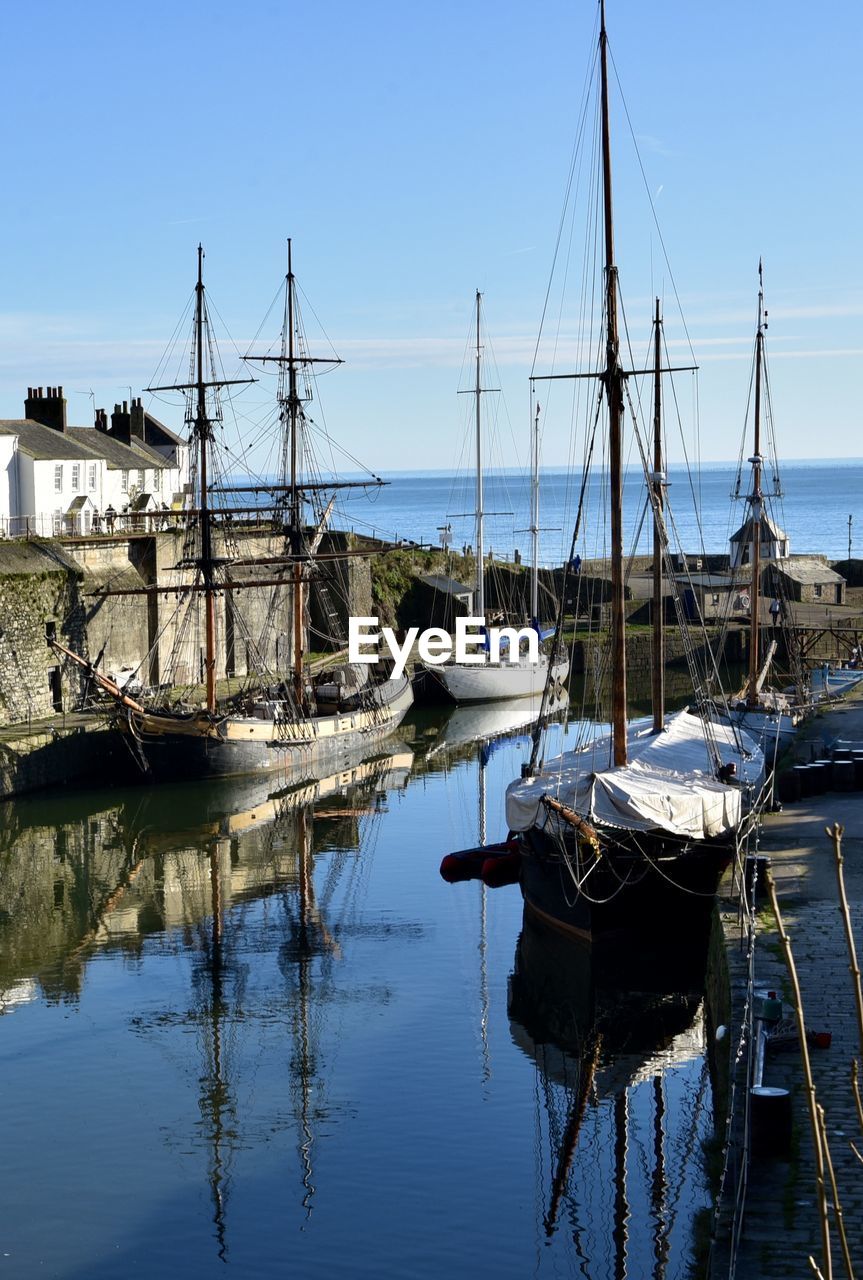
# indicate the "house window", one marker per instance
pixel 91 477
pixel 76 476
pixel 817 589
pixel 715 597
pixel 58 477
pixel 142 480
pixel 124 482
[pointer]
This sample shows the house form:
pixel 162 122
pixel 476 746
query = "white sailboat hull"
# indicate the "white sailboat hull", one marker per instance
pixel 493 681
pixel 772 730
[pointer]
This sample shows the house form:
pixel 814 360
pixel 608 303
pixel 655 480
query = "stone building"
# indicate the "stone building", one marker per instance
pixel 807 579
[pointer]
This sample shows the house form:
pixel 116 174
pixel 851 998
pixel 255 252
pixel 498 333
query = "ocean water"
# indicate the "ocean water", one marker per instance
pixel 817 500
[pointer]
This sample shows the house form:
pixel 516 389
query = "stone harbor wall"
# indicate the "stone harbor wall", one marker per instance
pixel 40 599
pixel 96 597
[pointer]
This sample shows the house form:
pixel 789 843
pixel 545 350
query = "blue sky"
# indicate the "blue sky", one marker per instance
pixel 415 153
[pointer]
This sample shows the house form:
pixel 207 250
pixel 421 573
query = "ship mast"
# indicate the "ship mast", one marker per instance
pixel 756 506
pixel 293 356
pixel 203 432
pixel 534 520
pixel 480 531
pixel 613 378
pixel 658 667
pixel 296 531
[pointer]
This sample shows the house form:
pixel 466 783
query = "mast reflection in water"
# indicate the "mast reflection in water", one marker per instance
pixel 250 1027
pixel 616 1035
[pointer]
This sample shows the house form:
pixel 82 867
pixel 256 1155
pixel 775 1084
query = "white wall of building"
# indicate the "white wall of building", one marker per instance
pixel 8 475
pixel 36 493
pixel 122 486
pixel 56 484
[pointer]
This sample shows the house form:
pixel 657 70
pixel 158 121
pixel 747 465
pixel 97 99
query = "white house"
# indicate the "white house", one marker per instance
pixel 56 479
pixel 773 542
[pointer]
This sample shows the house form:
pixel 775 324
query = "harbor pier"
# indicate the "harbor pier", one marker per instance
pixel 768 1222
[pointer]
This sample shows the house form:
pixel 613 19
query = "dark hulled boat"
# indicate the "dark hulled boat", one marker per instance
pixel 280 717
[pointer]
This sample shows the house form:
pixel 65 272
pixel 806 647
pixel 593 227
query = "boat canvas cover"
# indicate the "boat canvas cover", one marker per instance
pixel 668 785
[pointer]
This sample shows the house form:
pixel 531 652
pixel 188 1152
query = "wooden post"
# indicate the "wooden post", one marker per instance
pixel 810 1083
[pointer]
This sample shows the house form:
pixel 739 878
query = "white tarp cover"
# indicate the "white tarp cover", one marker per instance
pixel 668 785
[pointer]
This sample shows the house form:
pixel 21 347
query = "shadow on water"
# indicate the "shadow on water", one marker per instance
pixel 615 1031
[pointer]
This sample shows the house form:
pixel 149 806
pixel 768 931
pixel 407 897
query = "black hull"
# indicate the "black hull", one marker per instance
pixel 659 879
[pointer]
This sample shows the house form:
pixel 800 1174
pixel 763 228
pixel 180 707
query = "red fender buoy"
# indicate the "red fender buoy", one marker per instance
pixel 502 870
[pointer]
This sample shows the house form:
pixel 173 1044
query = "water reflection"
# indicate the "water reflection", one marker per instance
pixel 282 1037
pixel 184 865
pixel 616 1035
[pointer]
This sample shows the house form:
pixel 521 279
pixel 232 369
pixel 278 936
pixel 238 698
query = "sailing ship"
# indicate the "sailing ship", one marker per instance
pixel 769 715
pixel 518 676
pixel 278 718
pixel 645 811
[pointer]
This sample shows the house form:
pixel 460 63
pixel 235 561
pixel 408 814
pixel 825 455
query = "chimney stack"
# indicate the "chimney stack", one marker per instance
pixel 121 425
pixel 137 425
pixel 49 410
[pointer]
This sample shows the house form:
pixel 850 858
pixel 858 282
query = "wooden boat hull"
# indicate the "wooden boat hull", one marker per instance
pixel 169 748
pixel 581 896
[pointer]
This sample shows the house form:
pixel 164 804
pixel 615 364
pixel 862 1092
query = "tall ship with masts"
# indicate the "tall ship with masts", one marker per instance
pixel 633 811
pixel 200 721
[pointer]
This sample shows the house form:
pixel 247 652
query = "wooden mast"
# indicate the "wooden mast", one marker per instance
pixel 534 521
pixel 295 503
pixel 756 501
pixel 614 391
pixel 479 609
pixel 658 669
pixel 202 431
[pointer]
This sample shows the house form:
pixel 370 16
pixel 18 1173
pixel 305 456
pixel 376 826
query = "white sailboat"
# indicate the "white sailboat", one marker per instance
pixel 520 677
pixel 768 715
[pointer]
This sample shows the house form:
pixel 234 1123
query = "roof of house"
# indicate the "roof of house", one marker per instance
pixel 769 529
pixel 44 443
pixel 160 433
pixel 714 581
pixel 82 444
pixel 79 503
pixel 143 502
pixel 119 456
pixel 807 569
pixel 447 586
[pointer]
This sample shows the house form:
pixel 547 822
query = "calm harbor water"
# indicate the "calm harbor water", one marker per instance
pixel 250 1029
pixel 818 498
